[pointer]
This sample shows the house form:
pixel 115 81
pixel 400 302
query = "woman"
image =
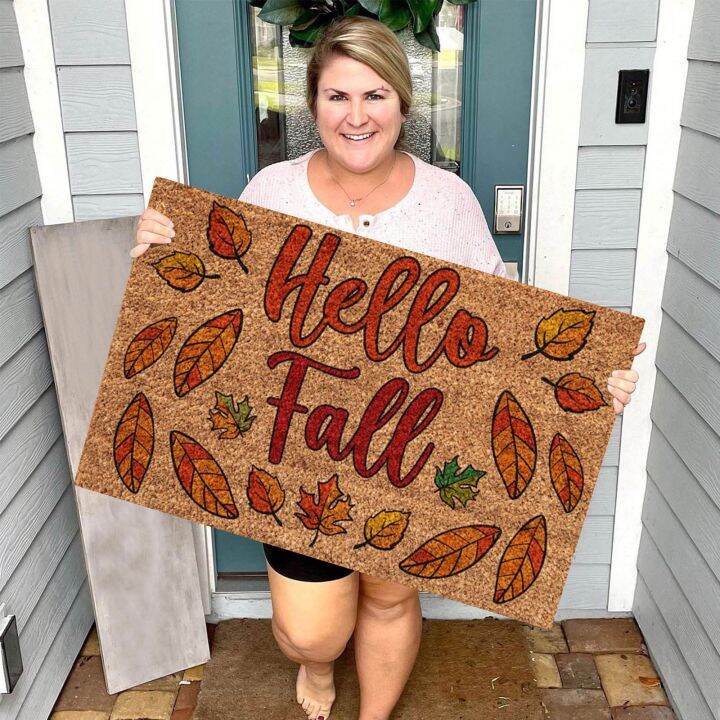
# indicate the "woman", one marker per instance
pixel 359 92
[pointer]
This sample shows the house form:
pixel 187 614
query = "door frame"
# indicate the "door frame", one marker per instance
pixel 557 79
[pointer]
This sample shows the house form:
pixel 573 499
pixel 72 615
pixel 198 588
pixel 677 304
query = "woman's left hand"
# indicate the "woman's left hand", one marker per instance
pixel 621 383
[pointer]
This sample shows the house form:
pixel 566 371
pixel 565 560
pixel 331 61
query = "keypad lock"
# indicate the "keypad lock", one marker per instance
pixel 509 208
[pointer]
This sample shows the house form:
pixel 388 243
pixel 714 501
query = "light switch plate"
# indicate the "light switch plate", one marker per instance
pixel 509 208
pixel 511 268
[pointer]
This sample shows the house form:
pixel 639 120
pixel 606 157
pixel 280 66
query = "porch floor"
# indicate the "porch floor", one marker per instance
pixel 595 669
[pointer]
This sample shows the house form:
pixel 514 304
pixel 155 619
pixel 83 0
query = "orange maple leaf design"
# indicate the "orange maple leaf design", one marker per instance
pixel 331 508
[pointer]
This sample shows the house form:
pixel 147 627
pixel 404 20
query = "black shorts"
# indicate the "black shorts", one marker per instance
pixel 302 567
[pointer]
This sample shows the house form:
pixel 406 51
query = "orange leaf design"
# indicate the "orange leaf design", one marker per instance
pixel 576 393
pixel 522 560
pixel 228 233
pixel 513 444
pixel 204 352
pixel 451 552
pixel 385 529
pixel 201 477
pixel 265 493
pixel 566 472
pixel 323 515
pixel 222 420
pixel 148 345
pixel 134 441
pixel 563 334
pixel 182 271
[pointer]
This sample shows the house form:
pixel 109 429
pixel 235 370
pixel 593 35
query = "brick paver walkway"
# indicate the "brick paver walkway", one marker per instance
pixel 596 670
pixel 585 669
pixel 84 695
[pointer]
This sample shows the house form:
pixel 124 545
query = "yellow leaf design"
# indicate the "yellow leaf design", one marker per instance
pixel 563 334
pixel 181 271
pixel 385 529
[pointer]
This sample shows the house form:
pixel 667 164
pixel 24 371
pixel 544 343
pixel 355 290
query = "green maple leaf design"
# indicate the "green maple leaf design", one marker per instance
pixel 455 485
pixel 240 411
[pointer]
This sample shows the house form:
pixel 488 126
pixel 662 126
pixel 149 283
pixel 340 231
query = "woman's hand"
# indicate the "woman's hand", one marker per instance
pixel 153 227
pixel 621 383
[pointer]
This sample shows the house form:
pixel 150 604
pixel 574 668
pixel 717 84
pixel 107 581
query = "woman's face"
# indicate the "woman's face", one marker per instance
pixel 357 114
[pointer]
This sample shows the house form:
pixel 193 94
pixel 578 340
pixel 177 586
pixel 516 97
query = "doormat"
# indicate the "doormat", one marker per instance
pixel 385 410
pixel 465 669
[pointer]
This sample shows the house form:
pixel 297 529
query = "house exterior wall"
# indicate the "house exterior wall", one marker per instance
pixel 677 597
pixel 42 571
pixel 96 94
pixel 609 181
pixel 90 41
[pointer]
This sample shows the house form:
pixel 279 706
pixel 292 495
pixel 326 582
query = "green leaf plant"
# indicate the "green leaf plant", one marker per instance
pixel 307 19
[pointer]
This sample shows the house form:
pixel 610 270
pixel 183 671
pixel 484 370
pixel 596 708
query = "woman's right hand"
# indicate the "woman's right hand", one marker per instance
pixel 153 227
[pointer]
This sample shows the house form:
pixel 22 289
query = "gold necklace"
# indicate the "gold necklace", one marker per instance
pixel 362 197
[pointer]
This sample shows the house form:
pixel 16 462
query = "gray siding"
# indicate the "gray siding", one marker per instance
pixel 608 189
pixel 677 599
pixel 96 102
pixel 42 571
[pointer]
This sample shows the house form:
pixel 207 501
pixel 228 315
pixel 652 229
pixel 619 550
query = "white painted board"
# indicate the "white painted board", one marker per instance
pixel 140 562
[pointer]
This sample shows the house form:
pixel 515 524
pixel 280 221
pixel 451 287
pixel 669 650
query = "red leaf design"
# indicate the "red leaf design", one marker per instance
pixel 522 560
pixel 205 351
pixel 451 552
pixel 576 393
pixel 566 472
pixel 201 477
pixel 264 492
pixel 134 442
pixel 148 346
pixel 323 515
pixel 228 233
pixel 513 444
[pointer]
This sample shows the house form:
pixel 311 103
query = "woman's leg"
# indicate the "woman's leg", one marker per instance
pixel 312 622
pixel 387 640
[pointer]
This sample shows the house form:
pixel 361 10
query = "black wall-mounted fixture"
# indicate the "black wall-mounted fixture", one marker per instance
pixel 11 665
pixel 632 96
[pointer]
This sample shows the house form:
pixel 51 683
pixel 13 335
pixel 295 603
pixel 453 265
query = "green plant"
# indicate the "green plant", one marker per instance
pixel 308 18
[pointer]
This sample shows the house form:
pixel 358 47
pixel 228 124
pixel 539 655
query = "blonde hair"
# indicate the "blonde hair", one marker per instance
pixel 370 42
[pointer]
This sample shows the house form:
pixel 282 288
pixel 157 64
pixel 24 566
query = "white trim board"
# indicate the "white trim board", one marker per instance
pixel 555 132
pixel 257 604
pixel 158 110
pixel 33 20
pixel 666 99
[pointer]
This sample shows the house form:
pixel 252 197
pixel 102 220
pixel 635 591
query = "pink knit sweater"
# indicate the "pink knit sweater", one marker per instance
pixel 439 216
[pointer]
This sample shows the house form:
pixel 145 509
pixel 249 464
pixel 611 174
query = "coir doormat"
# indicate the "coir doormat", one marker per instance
pixel 465 669
pixel 350 400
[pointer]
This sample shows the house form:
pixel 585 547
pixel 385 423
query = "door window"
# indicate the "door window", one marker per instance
pixel 285 127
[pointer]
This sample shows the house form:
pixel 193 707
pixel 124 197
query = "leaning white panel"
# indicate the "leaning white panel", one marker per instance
pixel 140 562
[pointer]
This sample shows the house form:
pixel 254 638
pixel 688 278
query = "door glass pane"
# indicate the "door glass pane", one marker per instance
pixel 285 127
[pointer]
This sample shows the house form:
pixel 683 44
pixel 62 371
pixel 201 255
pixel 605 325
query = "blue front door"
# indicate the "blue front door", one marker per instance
pixel 242 89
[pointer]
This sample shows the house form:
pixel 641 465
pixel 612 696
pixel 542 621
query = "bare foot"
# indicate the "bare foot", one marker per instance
pixel 315 692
